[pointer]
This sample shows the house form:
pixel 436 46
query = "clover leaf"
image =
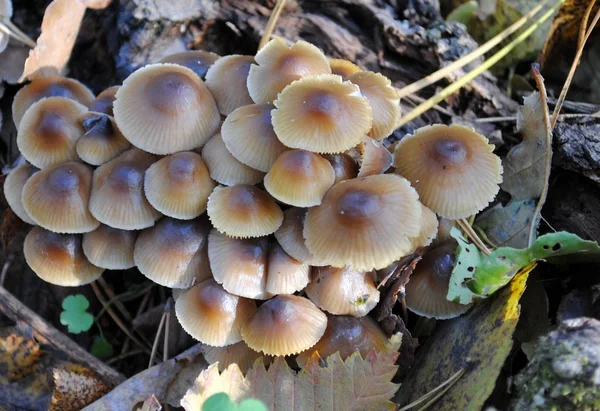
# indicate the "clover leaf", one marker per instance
pixel 75 315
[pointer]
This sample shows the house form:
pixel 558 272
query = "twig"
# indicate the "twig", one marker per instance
pixel 437 107
pixel 5 267
pixel 16 32
pixel 473 236
pixel 157 338
pixel 139 312
pixel 124 355
pixel 168 306
pixel 271 23
pixel 448 384
pixel 513 119
pixel 114 299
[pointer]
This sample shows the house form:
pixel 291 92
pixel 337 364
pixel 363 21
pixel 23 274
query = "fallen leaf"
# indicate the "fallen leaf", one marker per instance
pixel 534 321
pixel 151 404
pixel 467 259
pixel 74 388
pixel 75 315
pixel 508 226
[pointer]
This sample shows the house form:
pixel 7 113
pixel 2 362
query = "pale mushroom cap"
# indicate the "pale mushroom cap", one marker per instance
pixel 243 211
pixel 174 253
pixel 300 178
pixel 285 274
pixel 238 353
pixel 285 325
pixel 376 159
pixel 322 114
pixel 279 64
pixel 211 315
pixel 343 165
pixel 248 135
pixel 13 190
pixel 429 229
pixel 110 248
pixel 289 236
pixel 199 61
pixel 58 258
pixel 453 168
pixel 57 198
pixel 49 131
pixel 104 101
pixel 164 108
pixel 365 223
pixel 343 68
pixel 102 140
pixel 179 185
pixel 226 80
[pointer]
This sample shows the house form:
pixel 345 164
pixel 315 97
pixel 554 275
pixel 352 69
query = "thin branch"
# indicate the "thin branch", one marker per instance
pixel 17 33
pixel 271 23
pixel 157 338
pixel 448 383
pixel 473 236
pixel 168 306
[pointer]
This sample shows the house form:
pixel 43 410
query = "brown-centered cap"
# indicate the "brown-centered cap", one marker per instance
pixel 344 166
pixel 118 198
pixel 211 315
pixel 300 178
pixel 365 223
pixel 384 101
pixel 226 80
pixel 248 135
pixel 285 274
pixel 343 291
pixel 239 264
pixel 199 61
pixel 428 286
pixel 42 87
pixel 429 228
pixel 13 190
pixel 58 258
pixel 49 131
pixel 57 198
pixel 453 168
pixel 102 140
pixel 238 353
pixel 174 253
pixel 164 108
pixel 179 185
pixel 375 157
pixel 289 236
pixel 224 168
pixel 110 248
pixel 243 211
pixel 278 64
pixel 343 68
pixel 104 101
pixel 322 114
pixel 285 325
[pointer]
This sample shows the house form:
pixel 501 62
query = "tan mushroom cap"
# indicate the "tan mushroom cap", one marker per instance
pixel 238 353
pixel 375 158
pixel 343 165
pixel 322 114
pixel 58 258
pixel 104 101
pixel 285 274
pixel 13 190
pixel 248 135
pixel 453 168
pixel 289 236
pixel 102 140
pixel 57 198
pixel 211 315
pixel 428 286
pixel 226 80
pixel 429 229
pixel 110 248
pixel 42 87
pixel 279 64
pixel 49 131
pixel 179 185
pixel 343 291
pixel 384 101
pixel 164 108
pixel 199 61
pixel 243 211
pixel 300 178
pixel 343 68
pixel 118 198
pixel 365 223
pixel 285 325
pixel 239 264
pixel 224 168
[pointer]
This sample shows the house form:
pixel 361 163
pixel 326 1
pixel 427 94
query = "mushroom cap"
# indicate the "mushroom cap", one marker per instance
pixel 179 185
pixel 164 108
pixel 226 80
pixel 117 198
pixel 58 258
pixel 102 140
pixel 42 87
pixel 343 165
pixel 224 168
pixel 199 61
pixel 300 178
pixel 365 223
pixel 104 101
pixel 343 68
pixel 289 236
pixel 13 190
pixel 375 158
pixel 243 211
pixel 57 198
pixel 322 114
pixel 285 274
pixel 429 228
pixel 279 64
pixel 453 168
pixel 211 315
pixel 240 265
pixel 248 135
pixel 343 291
pixel 49 131
pixel 384 101
pixel 174 253
pixel 110 248
pixel 284 325
pixel 428 286
pixel 238 353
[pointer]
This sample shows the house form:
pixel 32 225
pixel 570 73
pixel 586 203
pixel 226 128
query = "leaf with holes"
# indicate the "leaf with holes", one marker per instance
pixel 468 258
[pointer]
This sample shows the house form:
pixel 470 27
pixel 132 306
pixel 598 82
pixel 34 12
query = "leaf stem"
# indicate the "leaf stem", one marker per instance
pixel 466 227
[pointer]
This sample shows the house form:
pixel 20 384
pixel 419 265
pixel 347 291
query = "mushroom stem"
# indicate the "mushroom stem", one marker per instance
pixel 9 28
pixel 275 13
pixel 464 224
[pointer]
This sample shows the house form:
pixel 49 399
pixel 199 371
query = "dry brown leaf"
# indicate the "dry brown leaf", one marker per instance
pixel 75 387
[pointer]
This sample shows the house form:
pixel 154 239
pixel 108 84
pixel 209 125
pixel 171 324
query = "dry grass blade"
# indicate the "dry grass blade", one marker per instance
pixel 435 393
pixel 271 23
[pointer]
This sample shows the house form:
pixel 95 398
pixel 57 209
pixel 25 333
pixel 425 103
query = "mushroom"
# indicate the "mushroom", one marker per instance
pixel 239 353
pixel 164 108
pixel 104 101
pixel 199 61
pixel 429 229
pixel 13 190
pixel 343 68
pixel 375 158
pixel 289 236
pixel 285 274
pixel 102 140
pixel 226 80
pixel 110 248
pixel 453 168
pixel 343 165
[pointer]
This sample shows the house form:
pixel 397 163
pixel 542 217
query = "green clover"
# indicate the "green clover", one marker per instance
pixel 222 402
pixel 74 314
pixel 102 348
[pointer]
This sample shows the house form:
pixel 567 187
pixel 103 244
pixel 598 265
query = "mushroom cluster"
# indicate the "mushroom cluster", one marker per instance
pixel 257 187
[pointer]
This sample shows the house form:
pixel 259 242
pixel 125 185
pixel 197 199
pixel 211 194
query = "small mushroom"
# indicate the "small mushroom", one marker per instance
pixel 375 158
pixel 343 68
pixel 199 61
pixel 13 190
pixel 344 166
pixel 429 229
pixel 289 236
pixel 102 140
pixel 238 353
pixel 285 274
pixel 226 80
pixel 110 248
pixel 104 101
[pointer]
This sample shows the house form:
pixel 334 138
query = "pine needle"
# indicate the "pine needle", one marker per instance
pixel 271 23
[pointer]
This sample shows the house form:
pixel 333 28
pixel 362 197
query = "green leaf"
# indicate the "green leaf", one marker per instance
pixel 102 349
pixel 74 314
pixel 252 404
pixel 463 13
pixel 468 258
pixel 219 402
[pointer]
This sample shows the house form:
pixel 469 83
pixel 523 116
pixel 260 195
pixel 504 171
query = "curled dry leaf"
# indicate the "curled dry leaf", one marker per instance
pixel 75 387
